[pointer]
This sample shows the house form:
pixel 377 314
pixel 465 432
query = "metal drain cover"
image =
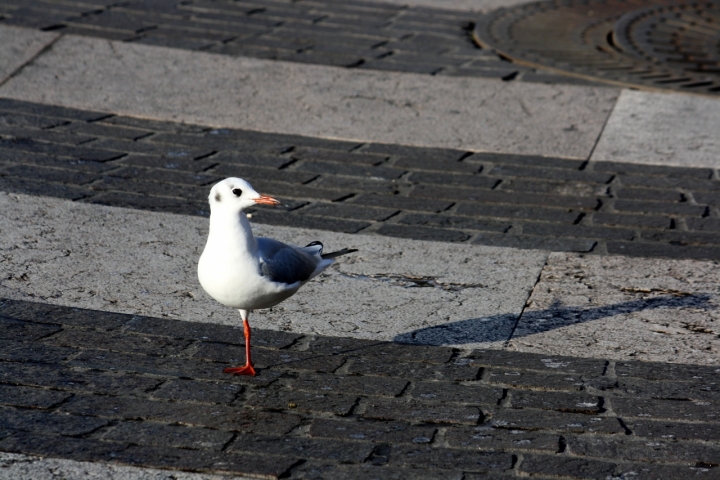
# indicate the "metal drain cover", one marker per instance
pixel 658 46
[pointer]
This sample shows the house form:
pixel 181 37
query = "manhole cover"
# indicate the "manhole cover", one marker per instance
pixel 663 45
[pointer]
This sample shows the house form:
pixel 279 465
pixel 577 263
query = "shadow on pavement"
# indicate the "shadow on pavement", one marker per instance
pixel 499 328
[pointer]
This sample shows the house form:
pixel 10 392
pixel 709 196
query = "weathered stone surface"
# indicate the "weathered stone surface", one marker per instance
pixel 151 433
pixel 490 439
pixel 378 432
pixel 667 130
pixel 518 118
pixel 592 306
pixel 417 412
pixel 20 46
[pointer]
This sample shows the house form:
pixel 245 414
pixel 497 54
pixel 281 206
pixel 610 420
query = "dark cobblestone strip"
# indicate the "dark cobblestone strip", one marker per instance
pixel 420 193
pixel 83 385
pixel 352 34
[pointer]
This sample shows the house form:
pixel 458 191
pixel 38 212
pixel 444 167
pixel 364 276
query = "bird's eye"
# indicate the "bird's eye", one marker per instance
pixel 237 192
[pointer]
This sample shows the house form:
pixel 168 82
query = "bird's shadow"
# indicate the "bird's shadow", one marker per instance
pixel 500 328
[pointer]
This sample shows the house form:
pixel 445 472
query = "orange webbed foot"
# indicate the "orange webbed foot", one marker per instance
pixel 244 370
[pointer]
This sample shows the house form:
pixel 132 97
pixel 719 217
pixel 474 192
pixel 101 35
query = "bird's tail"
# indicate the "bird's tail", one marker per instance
pixel 339 253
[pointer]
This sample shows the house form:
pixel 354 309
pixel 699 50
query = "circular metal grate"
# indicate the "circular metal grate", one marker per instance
pixel 663 46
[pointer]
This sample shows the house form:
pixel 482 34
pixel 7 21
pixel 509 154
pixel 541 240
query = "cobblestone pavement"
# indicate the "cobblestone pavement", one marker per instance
pixel 115 389
pixel 421 193
pixel 96 386
pixel 353 34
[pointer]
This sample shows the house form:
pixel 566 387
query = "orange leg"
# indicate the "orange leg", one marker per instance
pixel 247 369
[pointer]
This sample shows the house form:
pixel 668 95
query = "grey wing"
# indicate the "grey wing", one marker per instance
pixel 284 263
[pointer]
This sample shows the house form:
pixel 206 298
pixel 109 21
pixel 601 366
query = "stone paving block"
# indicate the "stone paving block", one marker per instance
pixel 28 186
pixel 647 249
pixel 210 332
pixel 423 233
pixel 417 412
pixel 495 439
pixel 449 459
pixel 535 242
pixel 183 179
pixel 437 181
pixel 340 210
pixel 190 414
pixel 64 447
pixel 194 391
pixel 629 449
pixel 30 397
pixel 363 171
pixel 401 203
pixel 698 390
pixel 339 451
pixel 264 466
pixel 118 342
pixel 647 221
pixel 365 385
pixel 143 202
pixel 58 377
pixel 703 224
pixel 667 371
pixel 378 432
pixel 48 423
pixel 551 173
pixel 276 399
pixel 315 469
pixel 639 206
pixel 549 230
pixel 537 213
pixel 505 196
pixel 448 221
pixel 454 393
pixel 340 156
pixel 265 358
pixel 173 367
pixel 36 353
pixel 412 370
pixel 153 161
pixel 178 436
pixel 527 419
pixel 534 464
pixel 308 221
pixel 23 331
pixel 561 401
pixel 524 379
pixel 668 430
pixel 550 364
pixel 167 156
pixel 77 317
pixel 707 411
pixel 50 174
pixel 68 163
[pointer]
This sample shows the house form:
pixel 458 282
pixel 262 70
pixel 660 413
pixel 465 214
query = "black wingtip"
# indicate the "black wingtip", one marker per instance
pixel 339 253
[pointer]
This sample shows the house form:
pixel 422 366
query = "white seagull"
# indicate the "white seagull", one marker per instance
pixel 248 273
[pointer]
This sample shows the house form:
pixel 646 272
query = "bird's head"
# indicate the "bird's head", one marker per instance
pixel 236 194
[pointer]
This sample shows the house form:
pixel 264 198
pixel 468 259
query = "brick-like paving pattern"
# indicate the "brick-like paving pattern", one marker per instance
pixel 351 34
pixel 421 193
pixel 98 386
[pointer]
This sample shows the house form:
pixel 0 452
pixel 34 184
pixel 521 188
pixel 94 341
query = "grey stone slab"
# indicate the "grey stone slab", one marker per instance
pixel 411 109
pixel 624 309
pixel 19 46
pixel 139 262
pixel 15 465
pixel 662 129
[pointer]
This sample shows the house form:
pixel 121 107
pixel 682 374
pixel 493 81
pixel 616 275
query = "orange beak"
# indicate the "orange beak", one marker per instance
pixel 266 200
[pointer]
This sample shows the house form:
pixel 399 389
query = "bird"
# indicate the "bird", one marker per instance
pixel 246 272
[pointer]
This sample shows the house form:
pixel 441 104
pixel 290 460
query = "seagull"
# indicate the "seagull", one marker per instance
pixel 248 273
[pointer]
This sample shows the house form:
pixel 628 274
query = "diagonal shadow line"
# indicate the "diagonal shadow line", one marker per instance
pixel 497 328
